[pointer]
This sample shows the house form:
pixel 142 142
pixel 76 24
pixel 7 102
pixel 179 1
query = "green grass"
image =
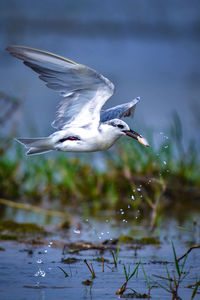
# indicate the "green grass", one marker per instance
pixel 169 170
pixel 175 278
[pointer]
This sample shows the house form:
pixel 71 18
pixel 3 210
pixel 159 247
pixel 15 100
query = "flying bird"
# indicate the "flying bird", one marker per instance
pixel 81 124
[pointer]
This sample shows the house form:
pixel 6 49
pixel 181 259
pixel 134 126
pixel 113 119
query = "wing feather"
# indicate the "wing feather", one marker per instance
pixel 84 90
pixel 120 111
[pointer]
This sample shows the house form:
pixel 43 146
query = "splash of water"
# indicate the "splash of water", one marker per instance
pixel 40 272
pixel 39 261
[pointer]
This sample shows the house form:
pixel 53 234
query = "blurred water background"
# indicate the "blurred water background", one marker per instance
pixel 147 48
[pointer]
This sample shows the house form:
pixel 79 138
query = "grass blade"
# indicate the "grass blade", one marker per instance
pixel 117 254
pixel 135 270
pixel 114 258
pixel 162 277
pixel 66 275
pixel 195 290
pixel 145 276
pixel 125 272
pixel 176 260
pixel 183 264
pixel 162 286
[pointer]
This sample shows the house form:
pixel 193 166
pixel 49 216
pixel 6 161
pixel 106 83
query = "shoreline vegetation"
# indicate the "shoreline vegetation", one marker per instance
pixel 158 180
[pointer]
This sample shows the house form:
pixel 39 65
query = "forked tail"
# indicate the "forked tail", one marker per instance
pixel 36 145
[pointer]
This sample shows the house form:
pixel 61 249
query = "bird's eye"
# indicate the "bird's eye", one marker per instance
pixel 120 126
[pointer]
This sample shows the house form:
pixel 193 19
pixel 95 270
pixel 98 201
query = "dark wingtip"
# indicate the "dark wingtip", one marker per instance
pixel 9 48
pixel 15 51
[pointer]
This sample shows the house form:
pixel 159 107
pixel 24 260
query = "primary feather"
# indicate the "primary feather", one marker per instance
pixel 84 90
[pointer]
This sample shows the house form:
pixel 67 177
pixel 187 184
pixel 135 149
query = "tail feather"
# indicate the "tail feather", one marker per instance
pixel 35 151
pixel 36 145
pixel 42 143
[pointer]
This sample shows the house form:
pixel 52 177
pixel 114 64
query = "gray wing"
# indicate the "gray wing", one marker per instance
pixel 84 91
pixel 119 111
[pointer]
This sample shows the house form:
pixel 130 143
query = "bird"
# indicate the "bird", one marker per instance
pixel 81 124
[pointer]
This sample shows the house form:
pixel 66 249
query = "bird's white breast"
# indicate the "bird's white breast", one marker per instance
pixel 91 139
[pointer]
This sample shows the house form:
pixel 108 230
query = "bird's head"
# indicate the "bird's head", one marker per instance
pixel 121 128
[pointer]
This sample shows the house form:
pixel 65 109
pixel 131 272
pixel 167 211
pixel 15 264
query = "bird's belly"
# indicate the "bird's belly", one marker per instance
pixel 91 145
pixel 105 143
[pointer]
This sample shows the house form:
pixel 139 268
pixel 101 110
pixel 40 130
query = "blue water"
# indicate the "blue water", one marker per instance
pixel 37 276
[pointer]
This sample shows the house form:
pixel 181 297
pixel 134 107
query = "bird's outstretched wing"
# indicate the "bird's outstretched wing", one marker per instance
pixel 120 111
pixel 84 91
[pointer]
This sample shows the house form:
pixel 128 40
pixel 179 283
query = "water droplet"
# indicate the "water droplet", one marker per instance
pixel 108 232
pixel 122 212
pixel 45 251
pixel 102 233
pixel 124 220
pixel 134 191
pixel 164 162
pixel 129 206
pixel 132 197
pixel 141 196
pixel 166 146
pixel 39 261
pixel 50 243
pixel 40 273
pixel 138 189
pixel 77 231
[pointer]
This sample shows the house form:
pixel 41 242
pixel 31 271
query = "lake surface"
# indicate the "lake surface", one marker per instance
pixel 30 270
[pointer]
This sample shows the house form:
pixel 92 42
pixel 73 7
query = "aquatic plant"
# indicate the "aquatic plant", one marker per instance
pixel 91 269
pixel 173 280
pixel 65 273
pixel 115 256
pixel 128 276
pixel 195 287
pixel 148 281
